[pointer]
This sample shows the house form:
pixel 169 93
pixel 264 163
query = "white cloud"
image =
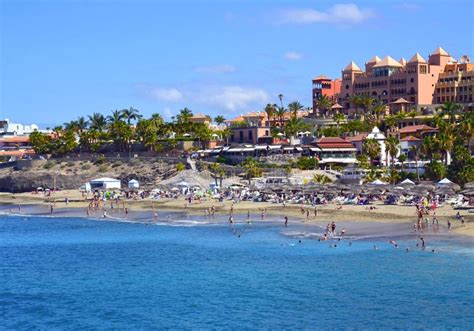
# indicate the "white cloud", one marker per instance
pixel 339 13
pixel 217 69
pixel 293 56
pixel 167 113
pixel 164 94
pixel 408 7
pixel 233 98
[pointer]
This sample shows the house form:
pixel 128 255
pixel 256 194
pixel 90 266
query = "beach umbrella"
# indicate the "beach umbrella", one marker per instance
pixel 407 182
pixel 445 181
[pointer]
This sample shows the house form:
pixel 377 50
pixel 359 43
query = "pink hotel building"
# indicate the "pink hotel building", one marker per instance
pixel 388 80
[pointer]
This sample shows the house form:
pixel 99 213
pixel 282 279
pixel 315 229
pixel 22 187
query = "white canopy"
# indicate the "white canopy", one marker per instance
pixel 182 183
pixel 133 183
pixel 378 182
pixel 445 181
pixel 407 182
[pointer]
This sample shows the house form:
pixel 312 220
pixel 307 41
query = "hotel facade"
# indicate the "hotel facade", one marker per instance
pixel 419 81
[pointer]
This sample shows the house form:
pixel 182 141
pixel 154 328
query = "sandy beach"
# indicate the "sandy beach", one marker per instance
pixel 77 206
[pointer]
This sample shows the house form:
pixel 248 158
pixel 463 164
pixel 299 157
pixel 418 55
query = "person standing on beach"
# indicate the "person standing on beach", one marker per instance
pixel 315 211
pixel 286 220
pixel 307 214
pixel 449 225
pixel 248 216
pixel 422 243
pixel 51 209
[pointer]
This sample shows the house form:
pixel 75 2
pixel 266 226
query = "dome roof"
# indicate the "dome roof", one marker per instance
pixel 376 134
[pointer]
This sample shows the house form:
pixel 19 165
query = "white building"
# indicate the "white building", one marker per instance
pixel 8 128
pixel 380 138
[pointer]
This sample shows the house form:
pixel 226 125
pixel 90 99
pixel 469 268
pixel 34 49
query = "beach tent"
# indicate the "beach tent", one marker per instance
pixel 182 183
pixel 377 182
pixel 445 181
pixel 407 182
pixel 105 183
pixel 133 184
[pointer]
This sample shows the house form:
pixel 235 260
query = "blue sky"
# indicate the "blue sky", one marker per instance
pixel 64 59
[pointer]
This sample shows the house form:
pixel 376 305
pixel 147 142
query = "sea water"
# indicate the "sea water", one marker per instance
pixel 72 273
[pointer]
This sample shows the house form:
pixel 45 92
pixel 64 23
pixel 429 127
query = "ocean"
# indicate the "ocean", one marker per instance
pixel 73 273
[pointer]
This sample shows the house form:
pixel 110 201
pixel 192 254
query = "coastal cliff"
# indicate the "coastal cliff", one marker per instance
pixel 29 175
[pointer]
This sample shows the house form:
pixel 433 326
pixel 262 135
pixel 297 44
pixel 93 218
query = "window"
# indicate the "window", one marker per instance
pixel 422 69
pixel 250 135
pixel 347 87
pixel 412 80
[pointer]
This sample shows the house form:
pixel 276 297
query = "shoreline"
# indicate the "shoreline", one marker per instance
pixel 145 209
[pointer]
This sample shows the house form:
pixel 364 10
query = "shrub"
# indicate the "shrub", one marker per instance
pixel 70 164
pixel 180 166
pixel 306 163
pixel 86 166
pixel 100 160
pixel 116 164
pixel 103 168
pixel 49 164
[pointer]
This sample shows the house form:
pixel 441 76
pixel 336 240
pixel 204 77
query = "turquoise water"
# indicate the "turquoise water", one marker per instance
pixel 70 273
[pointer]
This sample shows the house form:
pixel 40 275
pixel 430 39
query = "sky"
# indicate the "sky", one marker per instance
pixel 69 58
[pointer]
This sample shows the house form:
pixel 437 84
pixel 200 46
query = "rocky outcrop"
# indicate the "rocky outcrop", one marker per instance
pixel 27 181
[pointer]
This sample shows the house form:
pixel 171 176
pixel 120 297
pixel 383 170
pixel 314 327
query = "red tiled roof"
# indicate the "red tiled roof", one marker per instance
pixel 410 138
pixel 333 142
pixel 416 128
pixel 23 139
pixel 359 137
pixel 19 153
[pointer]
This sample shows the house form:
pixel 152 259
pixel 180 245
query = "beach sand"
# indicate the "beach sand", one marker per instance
pixel 325 214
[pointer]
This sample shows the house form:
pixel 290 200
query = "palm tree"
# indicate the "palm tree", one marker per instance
pixel 294 125
pixel 446 143
pixel 390 123
pixel 466 128
pixel 281 111
pixel 219 119
pixel 270 110
pixel 415 150
pixel 280 96
pixel 130 114
pixel 116 116
pixel 218 172
pixel 371 148
pixel 252 169
pixel 451 110
pixel 97 122
pixel 323 104
pixel 402 158
pixel 338 118
pixel 391 144
pixel 321 179
pixel 82 124
pixel 294 107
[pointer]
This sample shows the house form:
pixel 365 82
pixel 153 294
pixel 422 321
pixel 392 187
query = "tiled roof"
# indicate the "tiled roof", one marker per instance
pixel 417 58
pixel 388 61
pixel 416 128
pixel 440 51
pixel 333 142
pixel 321 77
pixel 23 139
pixel 375 59
pixel 359 137
pixel 410 138
pixel 352 66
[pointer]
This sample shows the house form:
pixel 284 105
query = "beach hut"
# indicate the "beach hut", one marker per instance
pixel 105 183
pixel 133 184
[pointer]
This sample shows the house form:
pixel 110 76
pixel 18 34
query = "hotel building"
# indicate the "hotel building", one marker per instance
pixel 420 82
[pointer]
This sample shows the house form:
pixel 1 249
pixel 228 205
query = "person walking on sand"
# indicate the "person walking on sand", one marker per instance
pixel 307 214
pixel 315 211
pixel 449 225
pixel 462 220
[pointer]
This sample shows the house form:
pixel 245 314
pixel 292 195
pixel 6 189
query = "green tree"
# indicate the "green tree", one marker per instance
pixel 252 169
pixel 323 104
pixel 98 122
pixel 130 114
pixel 321 179
pixel 391 148
pixel 219 119
pixel 294 107
pixel 338 118
pixel 415 150
pixel 436 170
pixel 218 172
pixel 402 158
pixel 371 148
pixel 40 142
